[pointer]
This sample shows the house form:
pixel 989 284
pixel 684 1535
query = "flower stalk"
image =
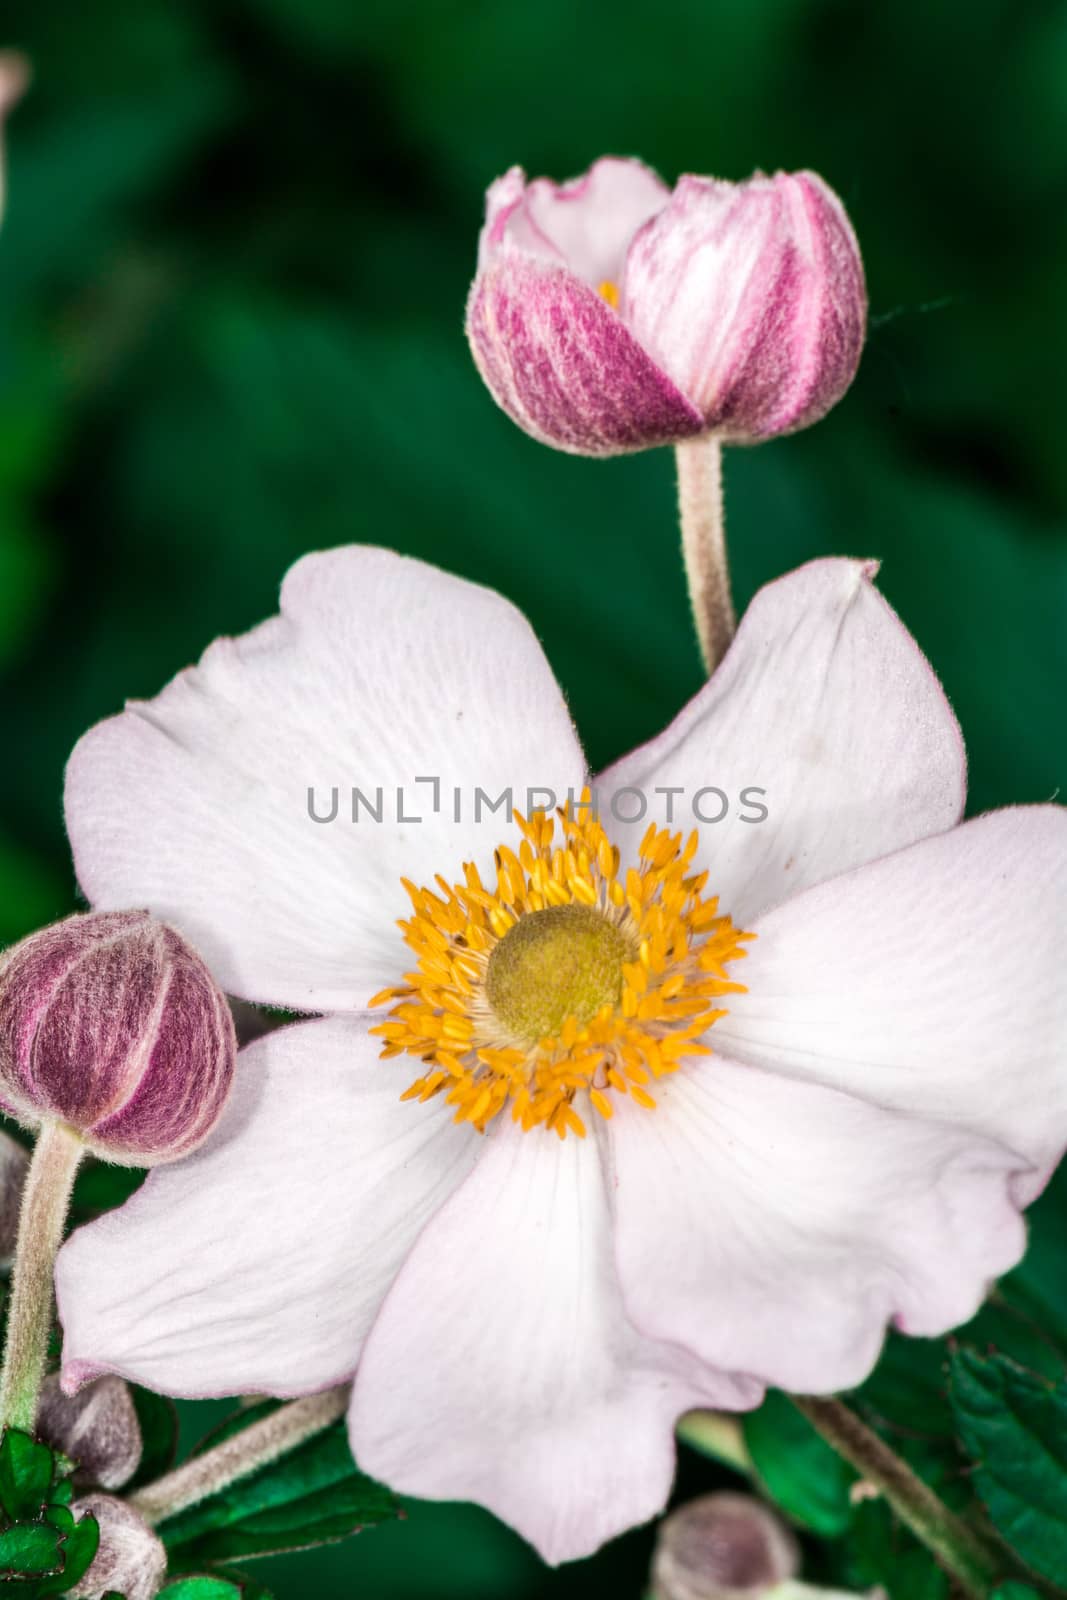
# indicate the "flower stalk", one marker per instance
pixel 45 1203
pixel 700 508
pixel 243 1453
pixel 955 1547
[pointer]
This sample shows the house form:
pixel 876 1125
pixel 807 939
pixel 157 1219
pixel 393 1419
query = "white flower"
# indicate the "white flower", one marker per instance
pixel 526 1315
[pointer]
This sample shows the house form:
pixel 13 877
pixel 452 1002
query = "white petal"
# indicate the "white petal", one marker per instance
pixel 775 1227
pixel 257 1264
pixel 502 1368
pixel 588 223
pixel 379 671
pixel 930 982
pixel 826 715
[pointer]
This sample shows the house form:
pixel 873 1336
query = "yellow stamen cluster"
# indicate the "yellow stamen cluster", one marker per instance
pixel 671 952
pixel 610 292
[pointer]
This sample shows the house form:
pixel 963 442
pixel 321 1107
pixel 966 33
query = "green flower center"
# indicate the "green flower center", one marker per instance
pixel 565 961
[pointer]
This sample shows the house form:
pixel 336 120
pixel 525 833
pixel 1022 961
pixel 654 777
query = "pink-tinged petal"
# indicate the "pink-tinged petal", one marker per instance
pixel 588 222
pixel 380 672
pixel 930 983
pixel 502 1367
pixel 258 1264
pixel 775 1227
pixel 825 714
pixel 751 296
pixel 563 364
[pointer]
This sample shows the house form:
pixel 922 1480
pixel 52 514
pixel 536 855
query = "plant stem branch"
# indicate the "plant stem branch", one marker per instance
pixel 954 1545
pixel 42 1215
pixel 700 508
pixel 254 1447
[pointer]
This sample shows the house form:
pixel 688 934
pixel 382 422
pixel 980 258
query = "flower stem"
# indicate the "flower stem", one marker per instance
pixel 704 545
pixel 43 1213
pixel 956 1548
pixel 244 1452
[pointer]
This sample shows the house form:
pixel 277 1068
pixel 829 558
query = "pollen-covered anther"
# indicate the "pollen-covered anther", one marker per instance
pixel 567 982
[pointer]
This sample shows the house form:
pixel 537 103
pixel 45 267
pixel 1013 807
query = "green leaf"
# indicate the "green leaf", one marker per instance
pixel 26 1472
pixel 1013 1425
pixel 29 1547
pixel 314 1495
pixel 1015 1591
pixel 203 1587
pixel 79 1548
pixel 803 1475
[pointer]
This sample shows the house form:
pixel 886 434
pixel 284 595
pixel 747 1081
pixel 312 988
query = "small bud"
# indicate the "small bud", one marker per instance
pixel 609 315
pixel 14 1161
pixel 111 1023
pixel 130 1559
pixel 722 1547
pixel 97 1428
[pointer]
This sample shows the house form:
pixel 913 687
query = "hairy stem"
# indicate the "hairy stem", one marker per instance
pixel 700 509
pixel 242 1453
pixel 42 1215
pixel 955 1547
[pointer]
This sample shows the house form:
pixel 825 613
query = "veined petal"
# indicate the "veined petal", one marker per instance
pixel 751 296
pixel 775 1227
pixel 827 713
pixel 381 674
pixel 564 366
pixel 930 983
pixel 502 1367
pixel 256 1265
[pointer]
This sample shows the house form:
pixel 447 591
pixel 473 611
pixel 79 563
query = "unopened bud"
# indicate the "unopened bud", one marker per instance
pixel 722 1547
pixel 130 1559
pixel 97 1428
pixel 610 314
pixel 111 1023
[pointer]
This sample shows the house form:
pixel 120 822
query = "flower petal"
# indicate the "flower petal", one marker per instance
pixel 257 1264
pixel 381 673
pixel 564 366
pixel 774 1227
pixel 930 983
pixel 825 713
pixel 502 1368
pixel 751 295
pixel 591 220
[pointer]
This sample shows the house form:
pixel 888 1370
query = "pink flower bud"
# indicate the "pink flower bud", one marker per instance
pixel 608 315
pixel 722 1547
pixel 130 1559
pixel 97 1428
pixel 112 1023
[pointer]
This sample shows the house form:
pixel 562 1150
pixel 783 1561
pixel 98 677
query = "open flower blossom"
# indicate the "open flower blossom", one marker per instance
pixel 609 314
pixel 665 1114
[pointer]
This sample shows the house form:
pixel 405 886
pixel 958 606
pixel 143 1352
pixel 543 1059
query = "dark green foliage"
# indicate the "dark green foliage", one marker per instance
pixel 39 1536
pixel 313 1495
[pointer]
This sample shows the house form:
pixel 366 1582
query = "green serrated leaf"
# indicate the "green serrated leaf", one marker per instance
pixel 26 1472
pixel 79 1548
pixel 1013 1425
pixel 61 1517
pixel 313 1495
pixel 29 1547
pixel 802 1474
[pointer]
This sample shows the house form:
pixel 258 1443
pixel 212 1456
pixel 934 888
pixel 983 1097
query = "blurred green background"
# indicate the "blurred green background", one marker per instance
pixel 233 268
